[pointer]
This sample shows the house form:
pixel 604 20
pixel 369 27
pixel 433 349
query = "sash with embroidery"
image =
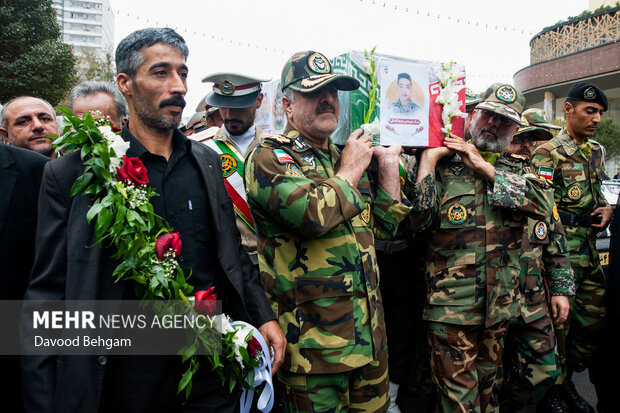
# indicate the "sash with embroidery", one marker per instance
pixel 232 171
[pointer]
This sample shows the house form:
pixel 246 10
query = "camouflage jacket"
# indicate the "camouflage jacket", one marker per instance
pixel 544 250
pixel 577 180
pixel 316 252
pixel 475 230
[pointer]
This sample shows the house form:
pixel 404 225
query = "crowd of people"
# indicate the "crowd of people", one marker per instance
pixel 469 270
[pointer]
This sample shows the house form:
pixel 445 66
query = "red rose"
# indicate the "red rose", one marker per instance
pixel 205 301
pixel 167 242
pixel 253 347
pixel 133 170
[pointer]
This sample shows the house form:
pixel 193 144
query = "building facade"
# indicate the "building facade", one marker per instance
pixel 582 49
pixel 86 24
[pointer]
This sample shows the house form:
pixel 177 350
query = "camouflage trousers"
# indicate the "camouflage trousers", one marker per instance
pixel 465 360
pixel 364 389
pixel 531 362
pixel 579 336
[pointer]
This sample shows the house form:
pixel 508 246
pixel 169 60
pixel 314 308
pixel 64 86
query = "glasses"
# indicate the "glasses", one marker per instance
pixel 519 139
pixel 501 120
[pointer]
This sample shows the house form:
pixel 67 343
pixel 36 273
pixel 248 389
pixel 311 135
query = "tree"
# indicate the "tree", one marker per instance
pixel 33 60
pixel 91 66
pixel 608 135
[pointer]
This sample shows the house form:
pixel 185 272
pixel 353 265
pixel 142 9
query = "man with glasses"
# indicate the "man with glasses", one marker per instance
pixel 474 207
pixel 531 362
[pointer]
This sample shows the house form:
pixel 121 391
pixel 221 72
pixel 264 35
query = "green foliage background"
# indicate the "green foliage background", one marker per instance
pixel 33 60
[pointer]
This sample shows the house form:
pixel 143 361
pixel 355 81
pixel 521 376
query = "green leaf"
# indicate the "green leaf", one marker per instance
pixel 94 210
pixel 185 380
pixel 81 183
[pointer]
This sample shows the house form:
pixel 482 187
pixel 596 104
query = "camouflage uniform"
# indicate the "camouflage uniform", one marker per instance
pixel 317 258
pixel 472 270
pixel 530 358
pixel 577 173
pixel 398 107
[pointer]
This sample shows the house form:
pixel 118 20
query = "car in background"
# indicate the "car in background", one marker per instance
pixel 611 189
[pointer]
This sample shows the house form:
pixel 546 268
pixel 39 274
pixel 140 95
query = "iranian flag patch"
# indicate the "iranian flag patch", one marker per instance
pixel 283 157
pixel 545 172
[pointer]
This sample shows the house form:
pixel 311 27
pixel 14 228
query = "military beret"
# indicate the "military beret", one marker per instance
pixel 587 92
pixel 308 71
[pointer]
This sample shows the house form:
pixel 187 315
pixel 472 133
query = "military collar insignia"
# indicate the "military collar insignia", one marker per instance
pixel 365 215
pixel 540 230
pixel 506 93
pixel 556 215
pixel 589 93
pixel 568 143
pixel 308 157
pixel 227 88
pixel 299 145
pixel 229 164
pixel 517 216
pixel 457 214
pixel 574 192
pixel 457 168
pixel 319 64
pixel 519 157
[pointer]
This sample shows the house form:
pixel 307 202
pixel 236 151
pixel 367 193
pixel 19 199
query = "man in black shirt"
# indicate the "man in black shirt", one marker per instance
pixel 193 199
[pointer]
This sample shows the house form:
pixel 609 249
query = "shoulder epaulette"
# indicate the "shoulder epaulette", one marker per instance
pixel 278 140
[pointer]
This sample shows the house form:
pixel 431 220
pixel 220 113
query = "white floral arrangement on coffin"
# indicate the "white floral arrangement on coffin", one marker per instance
pixel 449 95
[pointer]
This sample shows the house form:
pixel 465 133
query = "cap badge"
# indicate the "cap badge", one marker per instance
pixel 506 93
pixel 589 93
pixel 319 63
pixel 541 230
pixel 203 120
pixel 229 165
pixel 227 88
pixel 457 214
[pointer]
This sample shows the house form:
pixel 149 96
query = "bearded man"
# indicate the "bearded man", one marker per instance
pixel 474 208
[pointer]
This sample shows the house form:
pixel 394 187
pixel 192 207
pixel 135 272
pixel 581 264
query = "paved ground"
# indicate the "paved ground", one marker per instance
pixel 416 403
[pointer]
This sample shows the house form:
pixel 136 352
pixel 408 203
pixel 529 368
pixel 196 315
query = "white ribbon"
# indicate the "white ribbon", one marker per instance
pixel 262 374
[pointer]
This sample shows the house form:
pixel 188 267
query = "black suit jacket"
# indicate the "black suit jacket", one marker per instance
pixel 65 269
pixel 20 178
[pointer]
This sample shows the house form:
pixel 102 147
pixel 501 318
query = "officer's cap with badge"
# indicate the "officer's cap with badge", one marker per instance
pixel 308 71
pixel 232 90
pixel 587 92
pixel 196 121
pixel 536 121
pixel 504 100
